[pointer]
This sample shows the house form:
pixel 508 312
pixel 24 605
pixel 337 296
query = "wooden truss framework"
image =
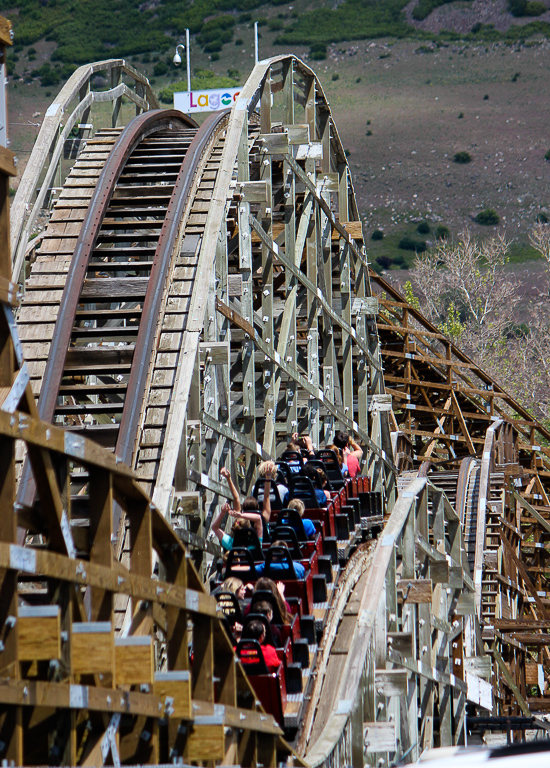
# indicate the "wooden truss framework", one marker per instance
pixel 460 426
pixel 71 692
pixel 400 653
pixel 285 318
pixel 284 335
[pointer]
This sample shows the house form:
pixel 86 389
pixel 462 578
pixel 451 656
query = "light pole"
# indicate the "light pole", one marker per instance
pixel 177 58
pixel 255 42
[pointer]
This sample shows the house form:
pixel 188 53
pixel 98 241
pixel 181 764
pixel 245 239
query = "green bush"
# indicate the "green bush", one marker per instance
pixel 515 76
pixel 215 33
pixel 526 8
pixel 239 41
pixel 542 218
pixel 335 77
pixel 461 115
pixel 425 7
pixel 275 24
pixel 377 235
pixel 203 79
pixel 317 51
pixel 462 157
pixel 384 262
pixel 547 155
pixel 488 217
pixel 442 232
pixel 423 228
pixel 410 244
pixel 160 68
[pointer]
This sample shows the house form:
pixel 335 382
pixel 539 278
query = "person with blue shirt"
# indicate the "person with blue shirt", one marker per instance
pixel 282 567
pixel 299 506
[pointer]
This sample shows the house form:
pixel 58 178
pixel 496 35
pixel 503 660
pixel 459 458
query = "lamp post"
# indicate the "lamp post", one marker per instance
pixel 177 58
pixel 255 42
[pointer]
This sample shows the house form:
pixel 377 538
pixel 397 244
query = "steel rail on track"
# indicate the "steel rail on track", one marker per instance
pixel 161 262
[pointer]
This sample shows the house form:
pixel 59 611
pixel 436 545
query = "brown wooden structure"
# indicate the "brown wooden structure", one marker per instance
pixel 196 297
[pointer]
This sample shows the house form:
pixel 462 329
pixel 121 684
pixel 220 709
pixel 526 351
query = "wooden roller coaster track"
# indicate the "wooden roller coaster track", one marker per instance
pixel 197 295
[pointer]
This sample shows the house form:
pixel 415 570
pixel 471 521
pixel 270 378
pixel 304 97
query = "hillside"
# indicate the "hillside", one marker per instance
pixel 454 77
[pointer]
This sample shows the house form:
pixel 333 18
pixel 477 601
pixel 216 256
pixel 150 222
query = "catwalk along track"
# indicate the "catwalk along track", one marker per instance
pixel 197 295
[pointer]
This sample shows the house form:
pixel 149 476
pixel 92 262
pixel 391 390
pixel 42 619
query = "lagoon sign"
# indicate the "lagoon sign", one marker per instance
pixel 205 101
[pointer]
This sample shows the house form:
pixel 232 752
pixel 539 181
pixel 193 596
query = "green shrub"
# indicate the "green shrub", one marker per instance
pixel 377 235
pixel 410 244
pixel 547 155
pixel 486 97
pixel 369 132
pixel 317 51
pixel 462 157
pixel 275 24
pixel 335 77
pixel 203 79
pixel 488 217
pixel 239 41
pixel 425 7
pixel 526 8
pixel 542 218
pixel 384 262
pixel 442 232
pixel 215 33
pixel 461 115
pixel 423 228
pixel 160 68
pixel 515 76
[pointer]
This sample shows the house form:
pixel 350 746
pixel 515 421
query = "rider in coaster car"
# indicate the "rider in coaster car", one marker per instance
pixel 282 566
pixel 351 451
pixel 300 507
pixel 256 631
pixel 268 471
pixel 315 476
pixel 278 592
pixel 266 610
pixel 248 514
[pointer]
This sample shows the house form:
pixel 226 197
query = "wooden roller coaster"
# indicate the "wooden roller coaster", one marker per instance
pixel 195 295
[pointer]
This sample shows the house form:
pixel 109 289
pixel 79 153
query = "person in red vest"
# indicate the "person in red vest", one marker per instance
pixel 256 631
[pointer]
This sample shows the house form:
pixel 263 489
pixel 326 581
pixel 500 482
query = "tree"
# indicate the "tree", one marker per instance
pixel 466 290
